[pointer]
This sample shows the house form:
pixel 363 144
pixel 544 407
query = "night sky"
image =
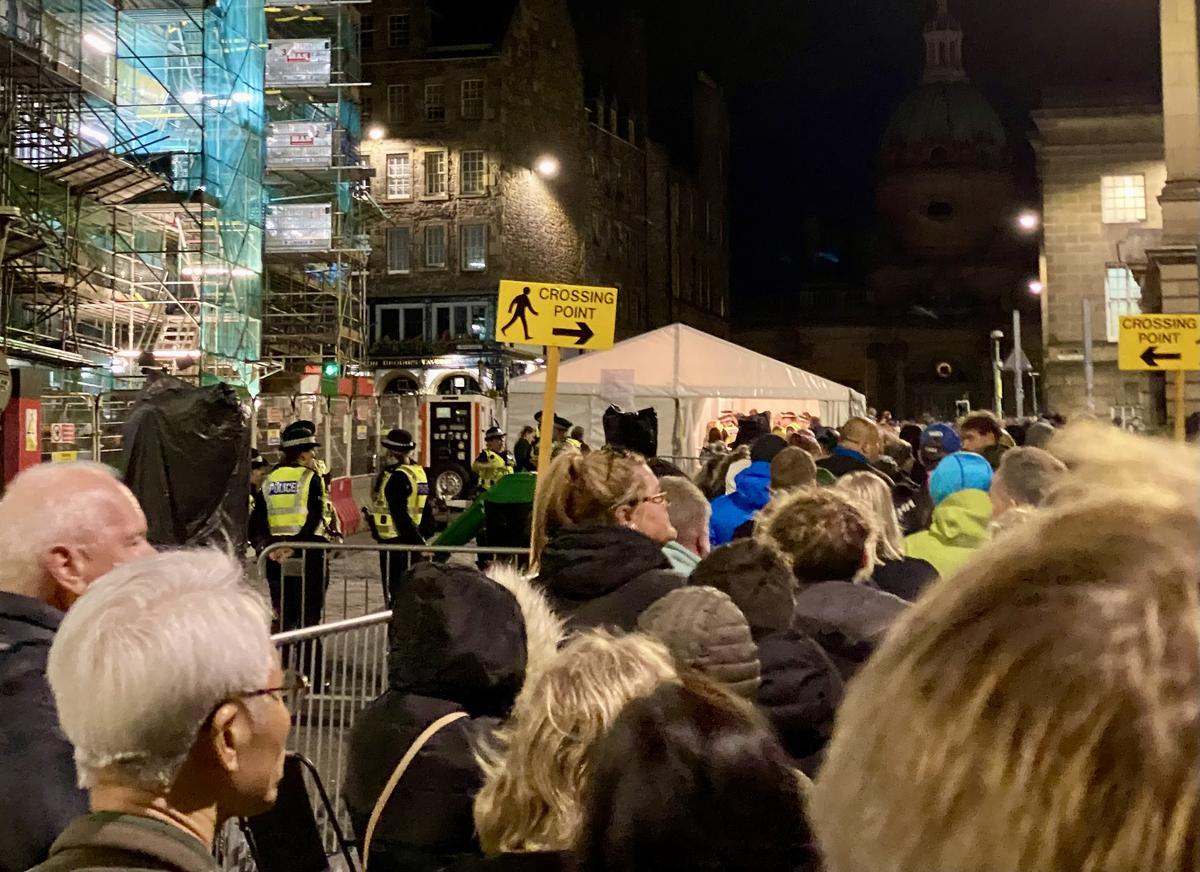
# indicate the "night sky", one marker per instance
pixel 812 83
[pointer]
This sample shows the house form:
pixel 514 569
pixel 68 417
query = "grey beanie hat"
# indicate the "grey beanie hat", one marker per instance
pixel 1038 434
pixel 706 631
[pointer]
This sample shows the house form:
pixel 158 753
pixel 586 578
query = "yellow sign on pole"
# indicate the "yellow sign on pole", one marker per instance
pixel 1159 343
pixel 563 316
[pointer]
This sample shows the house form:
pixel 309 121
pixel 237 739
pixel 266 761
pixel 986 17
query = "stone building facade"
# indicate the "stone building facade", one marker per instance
pixel 462 113
pixel 1102 168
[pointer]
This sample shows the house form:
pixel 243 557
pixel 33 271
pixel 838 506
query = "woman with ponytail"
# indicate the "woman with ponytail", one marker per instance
pixel 599 523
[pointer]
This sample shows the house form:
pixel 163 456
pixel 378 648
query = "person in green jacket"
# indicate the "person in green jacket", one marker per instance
pixel 962 510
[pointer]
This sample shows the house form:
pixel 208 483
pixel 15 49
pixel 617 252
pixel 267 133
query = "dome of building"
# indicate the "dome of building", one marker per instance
pixel 945 121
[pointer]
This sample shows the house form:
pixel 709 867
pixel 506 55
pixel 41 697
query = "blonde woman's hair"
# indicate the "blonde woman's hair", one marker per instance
pixel 823 533
pixel 582 488
pixel 873 494
pixel 536 769
pixel 1050 697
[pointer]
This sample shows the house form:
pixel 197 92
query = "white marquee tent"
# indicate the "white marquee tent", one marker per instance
pixel 689 377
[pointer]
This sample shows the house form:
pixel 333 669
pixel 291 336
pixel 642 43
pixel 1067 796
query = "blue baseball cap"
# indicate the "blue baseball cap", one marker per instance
pixel 941 438
pixel 959 472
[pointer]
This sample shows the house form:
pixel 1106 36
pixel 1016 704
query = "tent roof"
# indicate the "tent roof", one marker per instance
pixel 680 361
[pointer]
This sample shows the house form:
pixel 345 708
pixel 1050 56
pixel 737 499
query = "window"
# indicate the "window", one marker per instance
pixel 1123 199
pixel 435 174
pixel 399 323
pixel 472 98
pixel 399 246
pixel 397 31
pixel 435 247
pixel 473 244
pixel 399 176
pixel 435 102
pixel 1122 296
pixel 368 107
pixel 366 32
pixel 472 173
pixel 398 104
pixel 460 321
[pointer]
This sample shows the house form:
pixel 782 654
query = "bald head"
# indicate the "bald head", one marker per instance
pixel 862 435
pixel 62 526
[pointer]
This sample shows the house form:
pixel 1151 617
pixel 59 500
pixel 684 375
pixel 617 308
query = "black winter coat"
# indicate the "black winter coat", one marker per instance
pixel 800 692
pixel 536 861
pixel 847 620
pixel 905 578
pixel 604 576
pixel 457 644
pixel 38 796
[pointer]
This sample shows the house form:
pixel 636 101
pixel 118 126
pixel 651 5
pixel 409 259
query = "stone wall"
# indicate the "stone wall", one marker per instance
pixel 1079 247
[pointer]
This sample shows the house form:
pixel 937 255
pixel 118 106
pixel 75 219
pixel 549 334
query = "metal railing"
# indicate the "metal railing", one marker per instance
pixel 320 582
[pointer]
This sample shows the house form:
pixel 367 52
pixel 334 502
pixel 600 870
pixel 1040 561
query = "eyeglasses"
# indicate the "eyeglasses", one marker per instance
pixel 290 693
pixel 659 499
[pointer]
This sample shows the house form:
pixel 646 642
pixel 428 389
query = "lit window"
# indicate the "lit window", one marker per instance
pixel 397 104
pixel 399 245
pixel 366 32
pixel 474 247
pixel 472 172
pixel 472 98
pixel 399 176
pixel 435 102
pixel 398 31
pixel 435 246
pixel 1122 296
pixel 1123 199
pixel 435 173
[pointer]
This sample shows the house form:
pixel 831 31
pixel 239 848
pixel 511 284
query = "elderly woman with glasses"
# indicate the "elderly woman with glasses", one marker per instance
pixel 169 688
pixel 599 523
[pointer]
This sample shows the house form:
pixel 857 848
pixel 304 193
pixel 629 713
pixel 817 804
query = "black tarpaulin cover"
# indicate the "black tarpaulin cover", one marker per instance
pixel 187 460
pixel 637 431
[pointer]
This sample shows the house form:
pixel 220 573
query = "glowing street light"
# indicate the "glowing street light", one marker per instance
pixel 1036 286
pixel 1029 221
pixel 375 132
pixel 547 166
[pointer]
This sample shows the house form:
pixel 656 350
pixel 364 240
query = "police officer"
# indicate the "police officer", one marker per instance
pixel 494 462
pixel 400 512
pixel 295 498
pixel 258 532
pixel 561 440
pixel 332 528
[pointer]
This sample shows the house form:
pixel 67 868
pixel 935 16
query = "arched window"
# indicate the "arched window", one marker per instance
pixel 459 384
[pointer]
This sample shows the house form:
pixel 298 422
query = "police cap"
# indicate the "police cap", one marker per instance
pixel 559 421
pixel 257 461
pixel 493 433
pixel 398 440
pixel 299 434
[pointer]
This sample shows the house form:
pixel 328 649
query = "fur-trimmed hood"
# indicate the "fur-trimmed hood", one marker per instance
pixel 544 630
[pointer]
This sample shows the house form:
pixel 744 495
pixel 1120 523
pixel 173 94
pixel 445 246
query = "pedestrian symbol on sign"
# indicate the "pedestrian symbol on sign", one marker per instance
pixel 522 304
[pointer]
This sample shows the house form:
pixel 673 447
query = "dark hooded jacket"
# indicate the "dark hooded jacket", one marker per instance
pixel 847 620
pixel 604 575
pixel 458 643
pixel 38 796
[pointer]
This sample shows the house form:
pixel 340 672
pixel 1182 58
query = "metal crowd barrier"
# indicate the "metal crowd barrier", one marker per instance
pixel 322 582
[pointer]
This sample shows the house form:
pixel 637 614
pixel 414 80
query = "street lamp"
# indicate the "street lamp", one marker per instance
pixel 997 374
pixel 375 132
pixel 547 166
pixel 1029 221
pixel 1036 286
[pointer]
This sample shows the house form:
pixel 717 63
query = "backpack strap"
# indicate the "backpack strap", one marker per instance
pixel 398 773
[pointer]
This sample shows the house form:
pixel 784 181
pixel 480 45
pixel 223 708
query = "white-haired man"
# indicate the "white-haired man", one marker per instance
pixel 62 526
pixel 170 689
pixel 690 513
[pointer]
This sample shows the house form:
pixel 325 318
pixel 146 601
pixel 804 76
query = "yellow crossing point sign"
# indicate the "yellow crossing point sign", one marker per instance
pixel 564 316
pixel 1159 343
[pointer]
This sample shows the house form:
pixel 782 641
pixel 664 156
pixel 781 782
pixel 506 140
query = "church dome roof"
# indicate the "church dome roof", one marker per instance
pixel 953 115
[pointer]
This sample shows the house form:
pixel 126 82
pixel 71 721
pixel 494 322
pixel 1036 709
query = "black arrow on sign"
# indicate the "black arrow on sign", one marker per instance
pixel 1151 356
pixel 584 333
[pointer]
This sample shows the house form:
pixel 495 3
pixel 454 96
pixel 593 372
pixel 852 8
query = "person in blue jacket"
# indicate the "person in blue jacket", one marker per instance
pixel 753 491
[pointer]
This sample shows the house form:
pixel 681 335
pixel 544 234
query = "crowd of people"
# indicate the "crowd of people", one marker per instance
pixel 953 646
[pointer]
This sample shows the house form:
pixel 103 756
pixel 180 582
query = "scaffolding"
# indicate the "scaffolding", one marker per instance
pixel 132 137
pixel 316 245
